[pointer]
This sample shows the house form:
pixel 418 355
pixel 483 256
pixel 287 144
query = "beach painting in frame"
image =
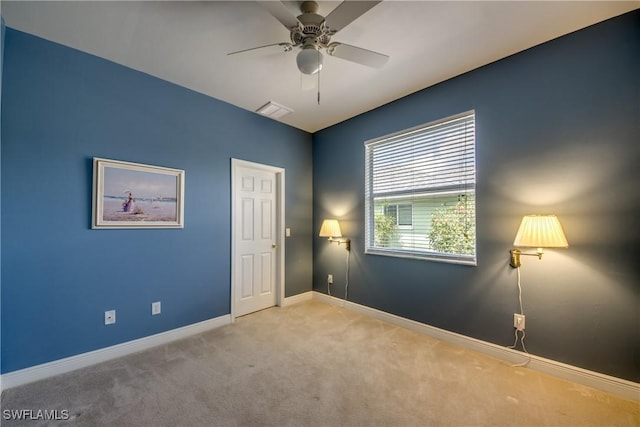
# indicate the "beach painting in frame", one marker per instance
pixel 133 195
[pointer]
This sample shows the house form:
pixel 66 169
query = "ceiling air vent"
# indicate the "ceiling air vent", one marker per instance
pixel 274 110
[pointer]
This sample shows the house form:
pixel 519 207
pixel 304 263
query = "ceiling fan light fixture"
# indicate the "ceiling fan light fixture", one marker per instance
pixel 309 60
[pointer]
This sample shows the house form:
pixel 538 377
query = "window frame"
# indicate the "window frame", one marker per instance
pixel 469 189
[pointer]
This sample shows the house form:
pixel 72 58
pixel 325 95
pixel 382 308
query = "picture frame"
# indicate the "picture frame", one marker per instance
pixel 135 195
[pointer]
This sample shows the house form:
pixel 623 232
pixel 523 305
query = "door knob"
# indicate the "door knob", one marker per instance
pixel 274 245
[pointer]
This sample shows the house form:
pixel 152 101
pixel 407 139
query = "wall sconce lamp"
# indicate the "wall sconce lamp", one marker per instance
pixel 331 228
pixel 537 231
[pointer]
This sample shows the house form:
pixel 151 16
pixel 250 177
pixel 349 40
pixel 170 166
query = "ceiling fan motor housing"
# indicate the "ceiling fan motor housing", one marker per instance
pixel 311 27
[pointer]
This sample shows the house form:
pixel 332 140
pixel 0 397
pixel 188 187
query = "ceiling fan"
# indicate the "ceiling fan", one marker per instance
pixel 311 33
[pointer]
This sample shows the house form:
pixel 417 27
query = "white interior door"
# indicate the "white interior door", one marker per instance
pixel 256 241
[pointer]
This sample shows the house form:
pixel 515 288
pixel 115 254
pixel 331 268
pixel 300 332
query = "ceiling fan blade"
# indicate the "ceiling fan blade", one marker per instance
pixel 347 12
pixel 357 54
pixel 264 50
pixel 280 12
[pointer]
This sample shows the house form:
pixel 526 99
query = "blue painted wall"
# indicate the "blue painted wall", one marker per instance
pixel 558 131
pixel 2 32
pixel 62 107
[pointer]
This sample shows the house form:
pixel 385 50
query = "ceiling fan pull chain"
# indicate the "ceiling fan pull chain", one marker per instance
pixel 319 78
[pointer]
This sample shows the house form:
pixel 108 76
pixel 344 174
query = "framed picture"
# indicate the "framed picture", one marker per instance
pixel 133 195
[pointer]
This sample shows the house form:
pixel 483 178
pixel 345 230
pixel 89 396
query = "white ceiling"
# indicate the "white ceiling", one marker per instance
pixel 186 43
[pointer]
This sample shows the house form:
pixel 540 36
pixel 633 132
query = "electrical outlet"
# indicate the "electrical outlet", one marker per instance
pixel 518 321
pixel 109 317
pixel 155 308
pixel 330 279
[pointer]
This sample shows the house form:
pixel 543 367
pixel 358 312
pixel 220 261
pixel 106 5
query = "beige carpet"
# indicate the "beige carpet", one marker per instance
pixel 312 364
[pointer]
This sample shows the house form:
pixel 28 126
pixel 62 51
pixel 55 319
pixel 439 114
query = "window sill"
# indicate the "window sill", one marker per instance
pixel 426 256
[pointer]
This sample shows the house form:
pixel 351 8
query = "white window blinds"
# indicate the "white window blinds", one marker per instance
pixel 432 169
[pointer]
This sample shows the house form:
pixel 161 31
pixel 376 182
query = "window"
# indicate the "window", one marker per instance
pixel 402 214
pixel 420 192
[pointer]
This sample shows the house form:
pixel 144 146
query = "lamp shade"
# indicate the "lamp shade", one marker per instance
pixel 330 228
pixel 540 231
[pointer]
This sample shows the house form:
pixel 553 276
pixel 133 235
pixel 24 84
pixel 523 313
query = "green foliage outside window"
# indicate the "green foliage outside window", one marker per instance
pixel 385 227
pixel 453 228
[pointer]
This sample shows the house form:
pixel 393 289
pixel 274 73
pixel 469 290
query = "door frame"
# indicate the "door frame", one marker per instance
pixel 279 231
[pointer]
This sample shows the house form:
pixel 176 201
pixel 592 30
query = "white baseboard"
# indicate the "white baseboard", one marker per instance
pixel 623 388
pixel 61 366
pixel 620 387
pixel 305 296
